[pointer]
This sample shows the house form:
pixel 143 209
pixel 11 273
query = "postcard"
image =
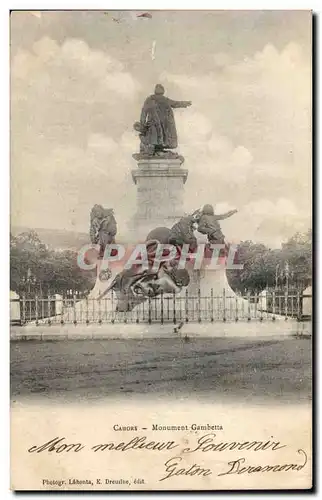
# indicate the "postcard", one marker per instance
pixel 161 250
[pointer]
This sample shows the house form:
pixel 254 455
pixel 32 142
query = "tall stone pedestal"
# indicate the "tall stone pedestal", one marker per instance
pixel 160 190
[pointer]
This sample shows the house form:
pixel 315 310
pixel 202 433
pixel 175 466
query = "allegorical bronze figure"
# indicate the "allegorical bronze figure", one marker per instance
pixel 208 224
pixel 103 227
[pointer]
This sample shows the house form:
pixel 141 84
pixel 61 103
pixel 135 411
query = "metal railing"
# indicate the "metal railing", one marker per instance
pixel 175 309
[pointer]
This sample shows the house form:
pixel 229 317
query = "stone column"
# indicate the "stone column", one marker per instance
pixel 307 302
pixel 15 316
pixel 160 190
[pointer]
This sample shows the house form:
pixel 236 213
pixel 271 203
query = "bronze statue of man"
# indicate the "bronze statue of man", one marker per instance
pixel 157 120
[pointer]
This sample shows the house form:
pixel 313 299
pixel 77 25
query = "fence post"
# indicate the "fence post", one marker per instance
pixel 273 306
pixel 212 305
pixel 112 307
pixel 199 306
pixel 28 308
pixel 80 310
pixel 236 308
pixel 138 308
pixel 224 304
pixel 105 308
pixel 36 310
pixel 161 303
pixel 186 306
pixel 149 312
pixel 42 307
pixel 62 298
pixel 99 312
pixel 286 304
pixel 127 309
pixel 192 308
pixel 156 302
pixel 256 304
pixel 299 312
pixel 86 312
pixel 292 304
pixel 23 309
pixel 48 308
pixel 248 307
pixel 74 309
pixel 174 309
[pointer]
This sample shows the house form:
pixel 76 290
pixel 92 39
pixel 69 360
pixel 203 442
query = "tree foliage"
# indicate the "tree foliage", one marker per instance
pixel 47 270
pixel 264 266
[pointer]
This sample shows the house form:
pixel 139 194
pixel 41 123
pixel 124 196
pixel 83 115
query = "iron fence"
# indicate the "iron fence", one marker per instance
pixel 174 309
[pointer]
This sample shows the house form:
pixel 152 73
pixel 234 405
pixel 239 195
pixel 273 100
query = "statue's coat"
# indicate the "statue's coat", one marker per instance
pixel 158 118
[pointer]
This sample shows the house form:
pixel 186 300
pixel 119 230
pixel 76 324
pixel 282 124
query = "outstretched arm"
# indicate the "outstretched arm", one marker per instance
pixel 226 215
pixel 179 104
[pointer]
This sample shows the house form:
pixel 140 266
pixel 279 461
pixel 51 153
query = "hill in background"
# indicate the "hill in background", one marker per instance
pixel 56 239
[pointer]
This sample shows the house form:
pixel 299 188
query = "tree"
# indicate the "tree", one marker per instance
pixel 257 268
pixel 262 264
pixel 52 270
pixel 297 252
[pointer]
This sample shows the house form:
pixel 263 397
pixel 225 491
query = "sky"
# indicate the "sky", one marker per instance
pixel 78 82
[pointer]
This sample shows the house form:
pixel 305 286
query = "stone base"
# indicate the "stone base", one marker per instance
pixel 159 193
pixel 268 329
pixel 160 155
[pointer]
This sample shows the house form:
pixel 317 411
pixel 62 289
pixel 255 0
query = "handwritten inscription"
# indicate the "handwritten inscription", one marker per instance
pixel 204 444
pixel 175 466
pixel 239 467
pixel 57 446
pixel 207 443
pixel 136 443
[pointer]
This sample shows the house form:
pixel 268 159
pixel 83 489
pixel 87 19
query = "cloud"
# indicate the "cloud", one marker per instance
pixel 275 221
pixel 102 144
pixel 194 127
pixel 271 61
pixel 71 72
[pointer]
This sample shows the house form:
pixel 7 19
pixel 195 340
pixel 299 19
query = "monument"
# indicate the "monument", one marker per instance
pixel 160 219
pixel 146 293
